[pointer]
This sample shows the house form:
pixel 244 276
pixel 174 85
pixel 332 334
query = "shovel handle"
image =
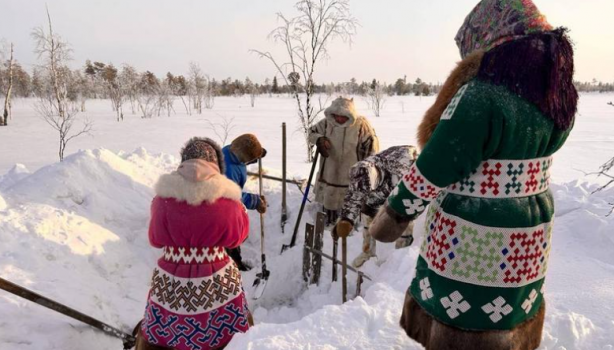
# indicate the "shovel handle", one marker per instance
pixel 344 268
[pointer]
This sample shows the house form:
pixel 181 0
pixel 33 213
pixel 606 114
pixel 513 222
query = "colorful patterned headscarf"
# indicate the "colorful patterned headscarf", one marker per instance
pixel 493 22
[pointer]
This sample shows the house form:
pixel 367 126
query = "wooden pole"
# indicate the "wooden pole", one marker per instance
pixel 307 255
pixel 318 238
pixel 344 268
pixel 284 208
pixel 65 310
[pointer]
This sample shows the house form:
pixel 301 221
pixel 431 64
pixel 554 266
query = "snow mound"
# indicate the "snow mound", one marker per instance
pixel 79 225
pixel 3 204
pixel 17 172
pixel 106 187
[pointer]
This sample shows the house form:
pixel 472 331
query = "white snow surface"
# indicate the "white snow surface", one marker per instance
pixel 76 232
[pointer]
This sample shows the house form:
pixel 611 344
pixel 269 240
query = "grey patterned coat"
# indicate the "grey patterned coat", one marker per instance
pixel 373 179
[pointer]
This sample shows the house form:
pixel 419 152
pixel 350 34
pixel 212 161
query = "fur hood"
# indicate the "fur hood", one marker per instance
pixel 465 71
pixel 538 68
pixel 175 186
pixel 342 106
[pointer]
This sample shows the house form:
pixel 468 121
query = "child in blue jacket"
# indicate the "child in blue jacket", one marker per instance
pixel 242 151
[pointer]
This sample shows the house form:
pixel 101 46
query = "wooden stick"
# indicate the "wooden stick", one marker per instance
pixel 344 268
pixel 284 208
pixel 65 310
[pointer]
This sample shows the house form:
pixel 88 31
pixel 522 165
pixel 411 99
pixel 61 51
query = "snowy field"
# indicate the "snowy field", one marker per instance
pixel 77 231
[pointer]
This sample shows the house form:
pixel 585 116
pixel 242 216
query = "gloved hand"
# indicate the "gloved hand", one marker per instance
pixel 387 225
pixel 324 145
pixel 403 241
pixel 262 205
pixel 342 229
pixel 254 161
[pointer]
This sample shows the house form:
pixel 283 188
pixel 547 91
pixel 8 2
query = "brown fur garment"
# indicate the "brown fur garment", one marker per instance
pixel 434 335
pixel 466 70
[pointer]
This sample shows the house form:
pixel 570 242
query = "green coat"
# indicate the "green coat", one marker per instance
pixel 486 171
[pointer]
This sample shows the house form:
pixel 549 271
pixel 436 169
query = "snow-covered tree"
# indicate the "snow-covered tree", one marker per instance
pixel 166 97
pixel 7 86
pixel 306 38
pixel 53 104
pixel 251 89
pixel 130 79
pixel 376 97
pixel 147 96
pixel 115 89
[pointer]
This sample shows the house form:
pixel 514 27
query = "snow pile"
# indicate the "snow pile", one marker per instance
pixel 3 204
pixel 76 232
pixel 18 172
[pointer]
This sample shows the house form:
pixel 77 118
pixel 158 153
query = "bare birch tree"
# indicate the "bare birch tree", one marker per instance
pixel 209 97
pixel 115 89
pixel 198 86
pixel 222 129
pixel 4 119
pixel 165 98
pixel 376 98
pixel 179 87
pixel 607 171
pixel 130 79
pixel 147 97
pixel 251 89
pixel 54 104
pixel 306 38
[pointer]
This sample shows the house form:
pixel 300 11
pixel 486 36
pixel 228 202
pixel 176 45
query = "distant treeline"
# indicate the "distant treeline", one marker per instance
pixel 93 80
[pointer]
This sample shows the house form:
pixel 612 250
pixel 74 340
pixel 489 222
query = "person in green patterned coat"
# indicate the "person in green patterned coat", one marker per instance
pixel 482 178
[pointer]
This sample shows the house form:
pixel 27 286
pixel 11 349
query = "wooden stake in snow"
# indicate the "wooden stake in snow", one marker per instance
pixel 284 208
pixel 344 269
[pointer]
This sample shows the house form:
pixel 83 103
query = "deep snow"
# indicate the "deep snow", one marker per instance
pixel 76 232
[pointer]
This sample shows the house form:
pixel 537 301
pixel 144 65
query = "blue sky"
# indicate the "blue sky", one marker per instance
pixel 396 37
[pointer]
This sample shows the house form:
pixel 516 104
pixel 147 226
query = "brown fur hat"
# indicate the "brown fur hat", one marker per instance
pixel 465 71
pixel 247 148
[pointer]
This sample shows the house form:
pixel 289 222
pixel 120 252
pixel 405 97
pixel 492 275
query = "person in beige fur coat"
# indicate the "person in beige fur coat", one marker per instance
pixel 343 138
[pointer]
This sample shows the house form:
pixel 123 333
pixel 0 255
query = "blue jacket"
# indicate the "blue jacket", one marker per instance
pixel 237 172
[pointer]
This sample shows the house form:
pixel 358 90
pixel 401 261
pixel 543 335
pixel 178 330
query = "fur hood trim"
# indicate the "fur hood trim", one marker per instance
pixel 465 71
pixel 342 106
pixel 175 186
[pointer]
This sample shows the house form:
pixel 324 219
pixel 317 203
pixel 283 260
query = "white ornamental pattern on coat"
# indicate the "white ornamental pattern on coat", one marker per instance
pixel 501 178
pixel 455 305
pixel 497 309
pixel 419 186
pixel 425 289
pixel 413 206
pixel 449 112
pixel 527 305
pixel 193 296
pixel 192 255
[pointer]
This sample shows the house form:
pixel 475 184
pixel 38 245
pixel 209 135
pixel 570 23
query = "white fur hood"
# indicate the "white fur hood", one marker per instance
pixel 342 106
pixel 175 186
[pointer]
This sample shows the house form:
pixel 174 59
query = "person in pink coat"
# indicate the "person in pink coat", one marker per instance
pixel 196 300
